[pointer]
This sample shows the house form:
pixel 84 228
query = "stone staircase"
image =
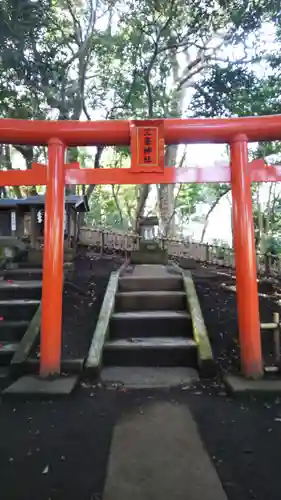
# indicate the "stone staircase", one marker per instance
pixel 150 324
pixel 20 297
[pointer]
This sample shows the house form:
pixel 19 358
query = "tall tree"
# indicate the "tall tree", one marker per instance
pixel 111 59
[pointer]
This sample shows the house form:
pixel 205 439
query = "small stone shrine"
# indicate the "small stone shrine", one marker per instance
pixel 150 251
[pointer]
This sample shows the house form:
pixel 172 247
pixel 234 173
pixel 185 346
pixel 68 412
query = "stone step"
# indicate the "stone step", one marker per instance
pixel 13 330
pixel 31 265
pixel 18 309
pixel 20 289
pixel 20 284
pixel 29 272
pixel 149 377
pixel 155 270
pixel 153 351
pixel 150 256
pixel 152 283
pixel 23 274
pixel 157 300
pixel 150 342
pixel 150 324
pixel 19 303
pixel 23 265
pixel 7 350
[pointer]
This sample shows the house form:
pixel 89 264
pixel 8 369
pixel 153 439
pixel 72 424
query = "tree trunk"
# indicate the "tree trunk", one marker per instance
pixel 115 196
pixel 91 187
pixel 143 194
pixel 166 194
pixel 212 207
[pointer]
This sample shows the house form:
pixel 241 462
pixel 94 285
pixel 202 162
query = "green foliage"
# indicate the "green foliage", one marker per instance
pixel 236 91
pixel 274 245
pixel 113 206
pixel 187 200
pixel 69 59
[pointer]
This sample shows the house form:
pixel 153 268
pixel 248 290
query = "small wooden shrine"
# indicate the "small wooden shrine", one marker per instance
pixel 22 222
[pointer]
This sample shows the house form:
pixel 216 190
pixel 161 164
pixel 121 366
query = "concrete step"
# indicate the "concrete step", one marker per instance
pixel 20 289
pixel 23 265
pixel 149 377
pixel 150 324
pixel 152 283
pixel 29 272
pixel 149 256
pixel 7 350
pixel 157 300
pixel 31 265
pixel 153 351
pixel 18 309
pixel 12 330
pixel 155 270
pixel 22 274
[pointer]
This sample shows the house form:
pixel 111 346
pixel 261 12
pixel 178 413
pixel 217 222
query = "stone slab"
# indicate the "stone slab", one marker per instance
pixel 150 270
pixel 149 255
pixel 31 385
pixel 28 338
pixel 67 365
pixel 157 454
pixel 149 377
pixel 93 360
pixel 239 385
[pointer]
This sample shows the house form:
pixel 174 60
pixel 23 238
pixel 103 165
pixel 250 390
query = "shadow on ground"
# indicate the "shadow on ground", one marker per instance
pixel 58 450
pixel 216 290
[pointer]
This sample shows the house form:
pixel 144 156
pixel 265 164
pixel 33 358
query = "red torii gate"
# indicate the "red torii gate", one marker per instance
pixel 147 140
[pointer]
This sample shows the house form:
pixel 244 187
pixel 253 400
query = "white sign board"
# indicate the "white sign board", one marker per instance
pixel 13 221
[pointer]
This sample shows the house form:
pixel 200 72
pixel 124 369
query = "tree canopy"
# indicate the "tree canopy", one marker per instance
pixel 110 59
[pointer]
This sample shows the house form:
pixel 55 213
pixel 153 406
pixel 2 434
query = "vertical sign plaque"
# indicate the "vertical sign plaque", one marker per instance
pixel 147 145
pixel 13 222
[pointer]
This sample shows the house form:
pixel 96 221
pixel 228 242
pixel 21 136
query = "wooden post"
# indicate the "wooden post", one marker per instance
pixel 245 260
pixel 33 227
pixel 207 252
pixel 276 337
pixel 102 242
pixel 68 209
pixel 75 228
pixel 51 329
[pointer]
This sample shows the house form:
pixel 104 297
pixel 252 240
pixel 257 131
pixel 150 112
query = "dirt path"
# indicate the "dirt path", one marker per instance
pixel 58 450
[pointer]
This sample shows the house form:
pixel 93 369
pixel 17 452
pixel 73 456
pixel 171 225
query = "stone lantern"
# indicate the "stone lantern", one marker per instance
pixel 149 227
pixel 150 251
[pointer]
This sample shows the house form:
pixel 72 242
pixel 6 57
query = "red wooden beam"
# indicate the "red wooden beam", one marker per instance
pixel 36 176
pixel 219 172
pixel 117 132
pixel 23 177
